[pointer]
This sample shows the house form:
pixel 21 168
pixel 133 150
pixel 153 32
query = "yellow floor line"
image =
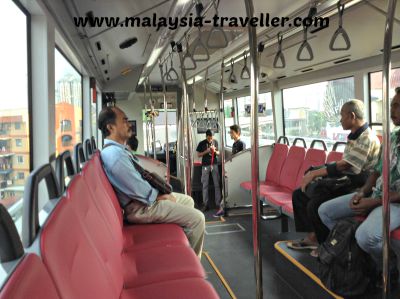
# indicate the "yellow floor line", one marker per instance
pixel 224 282
pixel 304 269
pixel 221 219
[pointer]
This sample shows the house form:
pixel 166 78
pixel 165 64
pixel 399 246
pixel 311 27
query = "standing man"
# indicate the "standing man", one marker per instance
pixel 208 151
pixel 238 145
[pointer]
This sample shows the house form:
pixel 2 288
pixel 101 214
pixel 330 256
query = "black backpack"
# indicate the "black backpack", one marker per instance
pixel 344 267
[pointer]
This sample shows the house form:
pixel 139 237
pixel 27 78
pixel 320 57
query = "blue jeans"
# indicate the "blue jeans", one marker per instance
pixel 369 234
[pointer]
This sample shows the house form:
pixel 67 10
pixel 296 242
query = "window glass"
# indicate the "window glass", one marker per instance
pixel 375 93
pixel 160 130
pixel 68 99
pixel 265 119
pixel 93 112
pixel 229 120
pixel 14 113
pixel 313 111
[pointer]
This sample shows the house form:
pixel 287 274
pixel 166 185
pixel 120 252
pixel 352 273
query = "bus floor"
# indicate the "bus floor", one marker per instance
pixel 229 262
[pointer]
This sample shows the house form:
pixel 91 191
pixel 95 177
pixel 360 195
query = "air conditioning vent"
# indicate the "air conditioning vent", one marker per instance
pixel 281 77
pixel 341 60
pixel 307 70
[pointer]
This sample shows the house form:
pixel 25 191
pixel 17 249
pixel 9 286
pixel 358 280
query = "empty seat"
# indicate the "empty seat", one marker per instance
pixel 274 167
pixel 291 167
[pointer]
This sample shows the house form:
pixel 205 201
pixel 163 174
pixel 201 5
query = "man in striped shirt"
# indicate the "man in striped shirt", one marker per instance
pixel 359 158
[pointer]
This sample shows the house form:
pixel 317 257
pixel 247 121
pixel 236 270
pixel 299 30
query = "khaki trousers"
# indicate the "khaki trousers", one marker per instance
pixel 181 212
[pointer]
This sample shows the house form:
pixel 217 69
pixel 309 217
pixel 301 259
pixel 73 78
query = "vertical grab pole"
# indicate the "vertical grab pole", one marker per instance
pixel 222 132
pixel 147 124
pixel 153 122
pixel 255 179
pixel 186 126
pixel 387 49
pixel 166 124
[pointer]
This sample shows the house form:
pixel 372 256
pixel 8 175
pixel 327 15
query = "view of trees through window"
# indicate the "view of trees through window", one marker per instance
pixel 313 111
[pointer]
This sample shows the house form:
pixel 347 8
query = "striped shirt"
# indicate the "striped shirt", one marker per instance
pixel 362 153
pixel 394 167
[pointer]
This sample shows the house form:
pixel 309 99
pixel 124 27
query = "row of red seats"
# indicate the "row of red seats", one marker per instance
pixel 285 171
pixel 86 251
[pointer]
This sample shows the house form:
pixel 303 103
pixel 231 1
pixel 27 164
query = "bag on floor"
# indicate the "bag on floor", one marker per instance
pixel 343 266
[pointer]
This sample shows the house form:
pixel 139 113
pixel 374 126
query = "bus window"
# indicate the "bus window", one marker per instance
pixel 14 113
pixel 313 111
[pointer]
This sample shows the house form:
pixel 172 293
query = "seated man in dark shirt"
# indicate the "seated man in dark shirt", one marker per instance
pixel 238 145
pixel 208 151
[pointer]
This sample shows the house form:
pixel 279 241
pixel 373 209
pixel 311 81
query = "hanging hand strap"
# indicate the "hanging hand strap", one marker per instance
pixel 305 46
pixel 340 31
pixel 279 55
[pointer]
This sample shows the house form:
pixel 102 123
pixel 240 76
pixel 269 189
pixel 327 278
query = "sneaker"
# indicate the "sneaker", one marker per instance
pixel 302 244
pixel 219 213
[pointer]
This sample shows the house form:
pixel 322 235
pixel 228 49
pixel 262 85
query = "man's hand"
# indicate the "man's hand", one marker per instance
pixel 364 205
pixel 166 197
pixel 357 197
pixel 307 179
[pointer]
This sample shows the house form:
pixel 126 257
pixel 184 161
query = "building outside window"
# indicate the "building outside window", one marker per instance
pixel 68 101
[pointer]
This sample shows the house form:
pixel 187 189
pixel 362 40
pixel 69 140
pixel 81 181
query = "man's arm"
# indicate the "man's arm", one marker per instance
pixel 312 175
pixel 130 182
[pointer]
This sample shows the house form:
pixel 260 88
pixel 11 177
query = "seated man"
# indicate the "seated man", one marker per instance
pixel 140 201
pixel 238 145
pixel 208 151
pixel 369 234
pixel 359 157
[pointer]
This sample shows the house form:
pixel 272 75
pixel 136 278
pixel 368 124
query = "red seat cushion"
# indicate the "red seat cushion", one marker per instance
pixel 153 235
pixel 29 280
pixel 152 265
pixel 193 288
pixel 248 185
pixel 291 167
pixel 278 199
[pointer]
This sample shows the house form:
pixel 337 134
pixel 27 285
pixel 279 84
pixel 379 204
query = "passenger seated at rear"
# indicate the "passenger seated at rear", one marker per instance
pixel 132 143
pixel 368 200
pixel 359 158
pixel 238 145
pixel 140 201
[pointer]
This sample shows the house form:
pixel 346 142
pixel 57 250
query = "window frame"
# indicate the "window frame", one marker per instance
pixel 29 78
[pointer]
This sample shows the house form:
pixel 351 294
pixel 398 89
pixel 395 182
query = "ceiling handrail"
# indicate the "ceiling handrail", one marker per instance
pixel 340 31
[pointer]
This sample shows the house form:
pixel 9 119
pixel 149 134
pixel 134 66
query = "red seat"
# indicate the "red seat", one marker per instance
pixel 314 157
pixel 395 235
pixel 334 157
pixel 193 288
pixel 287 209
pixel 291 167
pixel 274 167
pixel 29 280
pixel 140 266
pixel 139 236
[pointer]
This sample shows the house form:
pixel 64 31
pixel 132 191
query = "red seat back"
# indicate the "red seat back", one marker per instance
pixel 107 243
pixel 276 162
pixel 291 167
pixel 72 260
pixel 314 157
pixel 29 280
pixel 334 157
